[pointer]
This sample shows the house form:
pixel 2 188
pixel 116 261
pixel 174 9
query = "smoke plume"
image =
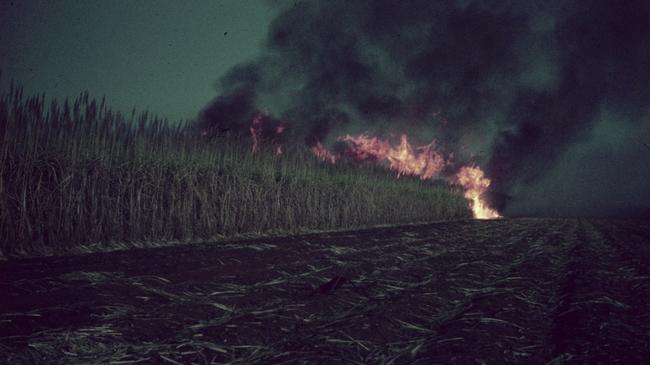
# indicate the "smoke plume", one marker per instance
pixel 533 91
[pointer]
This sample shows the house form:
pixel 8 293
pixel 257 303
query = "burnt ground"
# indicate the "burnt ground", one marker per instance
pixel 530 291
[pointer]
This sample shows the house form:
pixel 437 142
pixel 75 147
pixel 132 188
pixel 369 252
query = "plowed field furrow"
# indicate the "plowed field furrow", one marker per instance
pixel 512 291
pixel 596 322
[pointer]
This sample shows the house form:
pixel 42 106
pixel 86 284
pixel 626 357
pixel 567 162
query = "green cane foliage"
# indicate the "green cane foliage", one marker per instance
pixel 76 173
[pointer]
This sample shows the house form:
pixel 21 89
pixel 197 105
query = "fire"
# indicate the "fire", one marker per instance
pixel 473 180
pixel 256 131
pixel 263 127
pixel 323 153
pixel 423 161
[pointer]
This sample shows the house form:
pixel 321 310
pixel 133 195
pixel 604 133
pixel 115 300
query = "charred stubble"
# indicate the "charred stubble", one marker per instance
pixel 510 291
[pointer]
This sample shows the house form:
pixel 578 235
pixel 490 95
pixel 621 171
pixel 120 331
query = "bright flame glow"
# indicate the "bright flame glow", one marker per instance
pixel 423 161
pixel 323 153
pixel 475 184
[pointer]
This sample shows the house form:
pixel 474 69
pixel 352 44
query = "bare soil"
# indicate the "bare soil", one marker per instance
pixel 523 291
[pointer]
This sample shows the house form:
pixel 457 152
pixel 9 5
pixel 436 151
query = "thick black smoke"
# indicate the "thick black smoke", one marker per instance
pixel 512 85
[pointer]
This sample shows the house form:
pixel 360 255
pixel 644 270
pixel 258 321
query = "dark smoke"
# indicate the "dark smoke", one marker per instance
pixel 519 87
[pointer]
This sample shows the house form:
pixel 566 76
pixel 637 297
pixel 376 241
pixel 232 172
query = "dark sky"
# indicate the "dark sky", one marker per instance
pixel 164 55
pixel 551 98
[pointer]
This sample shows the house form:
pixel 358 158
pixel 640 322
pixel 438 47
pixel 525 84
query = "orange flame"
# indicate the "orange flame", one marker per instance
pixel 423 161
pixel 475 184
pixel 323 153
